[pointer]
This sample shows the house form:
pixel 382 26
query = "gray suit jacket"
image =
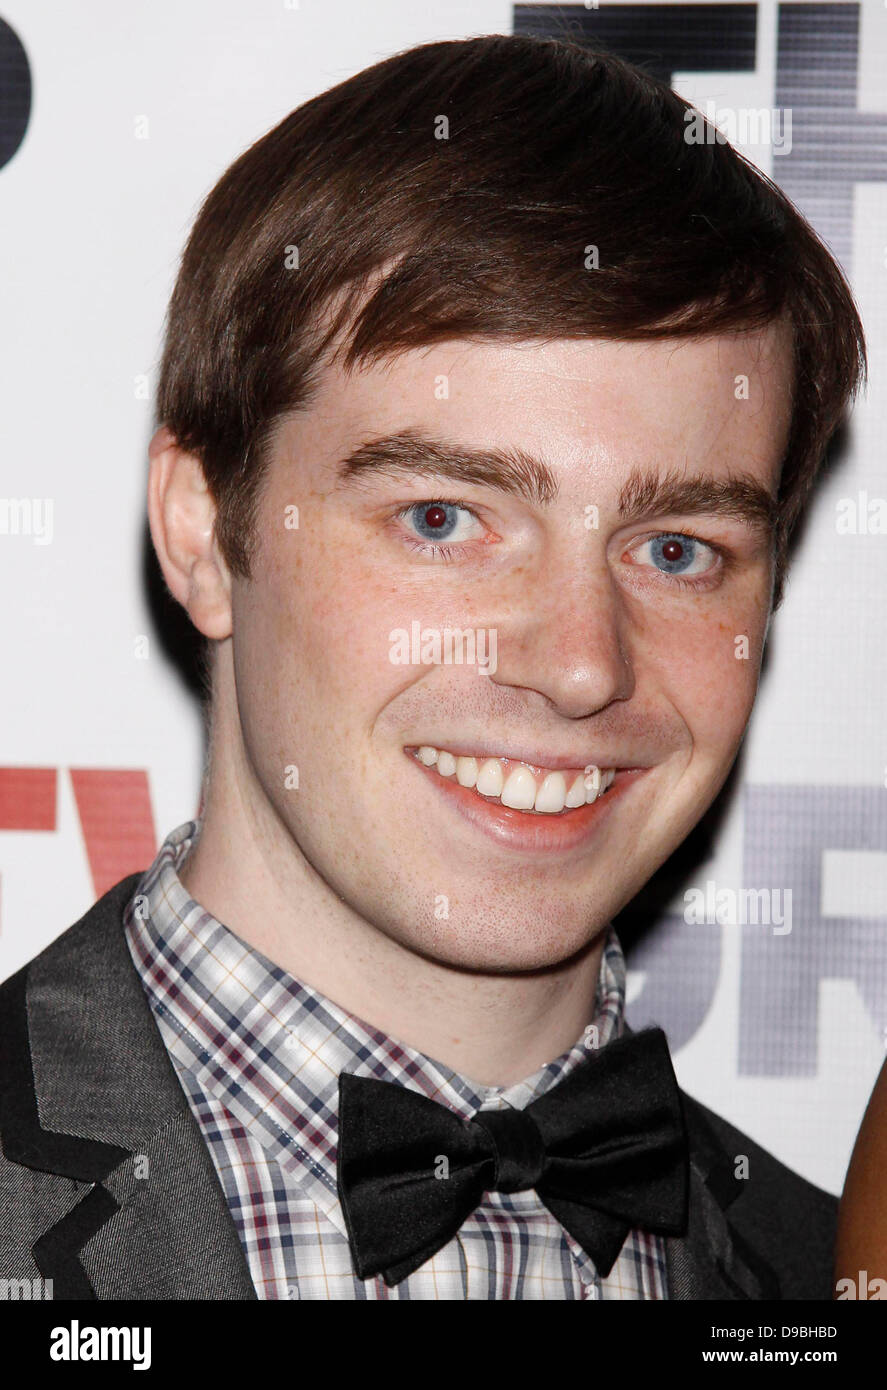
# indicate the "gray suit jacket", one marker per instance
pixel 108 1189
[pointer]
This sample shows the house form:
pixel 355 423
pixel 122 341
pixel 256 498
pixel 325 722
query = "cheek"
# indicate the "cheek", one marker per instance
pixel 317 619
pixel 707 663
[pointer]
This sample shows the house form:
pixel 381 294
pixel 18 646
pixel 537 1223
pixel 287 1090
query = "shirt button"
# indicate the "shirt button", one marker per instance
pixel 590 1291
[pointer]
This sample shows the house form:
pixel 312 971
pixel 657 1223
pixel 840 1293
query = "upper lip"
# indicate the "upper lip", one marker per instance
pixel 534 758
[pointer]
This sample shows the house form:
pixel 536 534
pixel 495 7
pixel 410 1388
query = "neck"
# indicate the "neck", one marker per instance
pixel 249 872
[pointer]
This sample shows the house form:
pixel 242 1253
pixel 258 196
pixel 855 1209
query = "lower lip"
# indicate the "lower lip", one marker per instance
pixel 531 831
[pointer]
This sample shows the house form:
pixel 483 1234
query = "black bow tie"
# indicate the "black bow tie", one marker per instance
pixel 605 1149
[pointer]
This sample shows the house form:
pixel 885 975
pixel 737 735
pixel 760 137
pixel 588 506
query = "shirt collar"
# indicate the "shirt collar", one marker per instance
pixel 271 1048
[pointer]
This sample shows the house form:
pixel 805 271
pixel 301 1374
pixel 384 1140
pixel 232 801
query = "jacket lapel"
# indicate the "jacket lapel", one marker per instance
pixel 711 1260
pixel 92 1097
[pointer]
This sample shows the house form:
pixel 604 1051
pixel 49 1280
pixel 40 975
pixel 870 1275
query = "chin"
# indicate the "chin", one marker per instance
pixel 503 949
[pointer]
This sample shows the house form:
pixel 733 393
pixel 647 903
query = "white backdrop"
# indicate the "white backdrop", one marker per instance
pixel 100 742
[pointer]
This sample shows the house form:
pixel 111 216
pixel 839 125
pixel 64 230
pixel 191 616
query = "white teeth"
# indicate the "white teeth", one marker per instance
pixel 592 785
pixel 576 794
pixel 519 791
pixel 552 794
pixel 491 779
pixel 466 771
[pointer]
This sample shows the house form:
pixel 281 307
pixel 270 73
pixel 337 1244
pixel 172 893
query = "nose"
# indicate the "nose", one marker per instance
pixel 569 641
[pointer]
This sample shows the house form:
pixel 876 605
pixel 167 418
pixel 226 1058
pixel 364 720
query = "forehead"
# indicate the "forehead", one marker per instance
pixel 715 404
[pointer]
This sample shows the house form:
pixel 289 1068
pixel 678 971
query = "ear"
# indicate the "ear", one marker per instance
pixel 182 516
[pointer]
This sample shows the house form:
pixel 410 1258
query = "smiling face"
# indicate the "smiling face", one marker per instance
pixel 623 629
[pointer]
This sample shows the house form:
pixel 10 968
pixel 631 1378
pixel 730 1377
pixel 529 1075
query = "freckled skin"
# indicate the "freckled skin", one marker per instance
pixel 596 649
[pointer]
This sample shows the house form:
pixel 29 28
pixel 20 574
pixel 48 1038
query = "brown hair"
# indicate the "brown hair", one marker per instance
pixel 408 233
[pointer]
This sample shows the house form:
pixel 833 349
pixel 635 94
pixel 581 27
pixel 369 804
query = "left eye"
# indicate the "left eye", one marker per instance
pixel 674 553
pixel 440 521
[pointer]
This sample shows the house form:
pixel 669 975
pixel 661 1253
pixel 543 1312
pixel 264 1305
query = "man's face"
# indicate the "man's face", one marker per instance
pixel 622 631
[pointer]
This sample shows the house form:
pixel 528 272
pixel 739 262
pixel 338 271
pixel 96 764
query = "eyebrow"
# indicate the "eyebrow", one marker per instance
pixel 414 453
pixel 646 492
pixel 738 496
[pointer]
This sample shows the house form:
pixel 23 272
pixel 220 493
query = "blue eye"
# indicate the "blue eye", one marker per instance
pixel 440 521
pixel 676 553
pixel 435 521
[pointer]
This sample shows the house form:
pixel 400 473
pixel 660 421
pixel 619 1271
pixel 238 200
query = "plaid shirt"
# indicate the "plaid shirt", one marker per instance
pixel 259 1056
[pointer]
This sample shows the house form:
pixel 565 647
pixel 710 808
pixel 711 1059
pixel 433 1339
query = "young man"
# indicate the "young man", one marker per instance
pixel 489 401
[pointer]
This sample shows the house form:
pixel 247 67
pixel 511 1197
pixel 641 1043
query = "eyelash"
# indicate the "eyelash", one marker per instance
pixel 701 580
pixel 443 552
pixel 447 553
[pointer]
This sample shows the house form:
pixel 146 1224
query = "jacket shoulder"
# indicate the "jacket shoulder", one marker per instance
pixel 54 1013
pixel 105 914
pixel 790 1221
pixel 43 1174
